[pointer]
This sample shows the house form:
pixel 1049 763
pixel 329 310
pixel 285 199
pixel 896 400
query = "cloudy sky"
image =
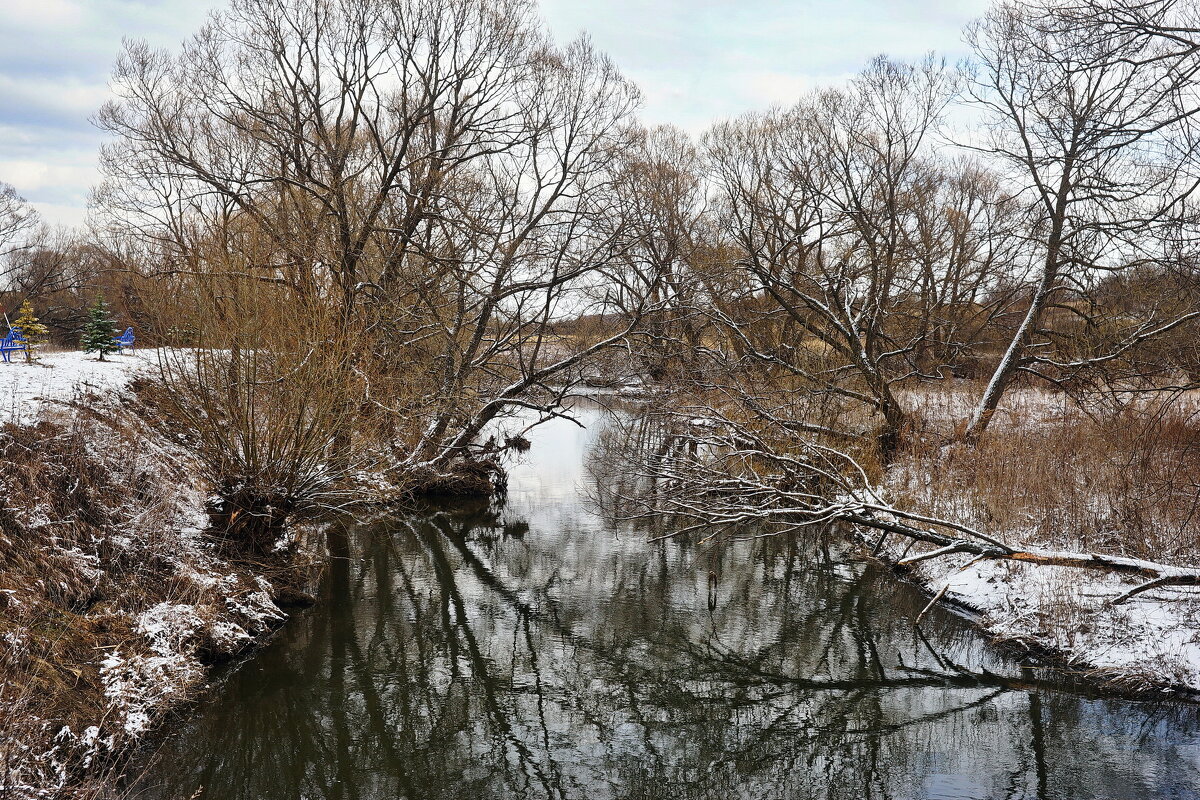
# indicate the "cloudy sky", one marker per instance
pixel 696 61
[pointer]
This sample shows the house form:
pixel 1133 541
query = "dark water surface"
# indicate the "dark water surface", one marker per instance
pixel 540 653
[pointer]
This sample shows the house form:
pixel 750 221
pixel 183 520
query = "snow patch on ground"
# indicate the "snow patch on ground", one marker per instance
pixel 141 686
pixel 138 687
pixel 1151 642
pixel 27 389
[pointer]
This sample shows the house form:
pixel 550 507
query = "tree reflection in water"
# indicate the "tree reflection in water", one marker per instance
pixel 535 652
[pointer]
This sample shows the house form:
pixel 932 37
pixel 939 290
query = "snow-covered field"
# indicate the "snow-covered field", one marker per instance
pixel 55 378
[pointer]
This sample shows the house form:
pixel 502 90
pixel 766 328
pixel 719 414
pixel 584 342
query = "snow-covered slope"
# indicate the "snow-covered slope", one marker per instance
pixel 1147 645
pixel 106 574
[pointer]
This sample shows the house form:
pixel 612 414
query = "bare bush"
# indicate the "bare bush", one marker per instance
pixel 264 389
pixel 1121 482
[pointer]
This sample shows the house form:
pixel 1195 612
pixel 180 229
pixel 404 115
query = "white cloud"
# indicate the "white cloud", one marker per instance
pixel 71 98
pixel 55 57
pixel 70 215
pixel 39 13
pixel 34 178
pixel 702 60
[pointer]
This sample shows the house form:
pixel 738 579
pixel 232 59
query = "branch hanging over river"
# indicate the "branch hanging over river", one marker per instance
pixel 704 472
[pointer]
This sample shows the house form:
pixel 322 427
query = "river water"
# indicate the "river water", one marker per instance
pixel 539 652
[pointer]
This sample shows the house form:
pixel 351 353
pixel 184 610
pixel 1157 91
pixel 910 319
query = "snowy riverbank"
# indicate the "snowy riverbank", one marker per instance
pixel 1052 477
pixel 113 602
pixel 1146 646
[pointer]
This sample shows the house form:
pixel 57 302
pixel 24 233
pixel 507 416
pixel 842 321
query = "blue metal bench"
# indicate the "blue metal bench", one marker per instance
pixel 14 342
pixel 124 340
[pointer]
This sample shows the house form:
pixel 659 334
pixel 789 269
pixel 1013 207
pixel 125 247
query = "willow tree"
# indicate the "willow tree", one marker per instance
pixel 436 170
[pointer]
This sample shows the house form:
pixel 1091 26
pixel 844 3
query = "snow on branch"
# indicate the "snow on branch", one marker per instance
pixel 715 476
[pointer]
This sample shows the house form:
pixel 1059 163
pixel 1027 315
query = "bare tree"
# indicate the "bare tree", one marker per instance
pixel 662 191
pixel 865 263
pixel 60 271
pixel 440 171
pixel 1093 125
pixel 862 263
pixel 17 220
pixel 1173 26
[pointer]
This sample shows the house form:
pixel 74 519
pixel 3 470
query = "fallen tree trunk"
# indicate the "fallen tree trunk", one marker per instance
pixel 988 548
pixel 726 477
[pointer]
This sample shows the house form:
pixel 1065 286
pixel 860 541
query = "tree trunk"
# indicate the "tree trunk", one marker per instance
pixel 1006 370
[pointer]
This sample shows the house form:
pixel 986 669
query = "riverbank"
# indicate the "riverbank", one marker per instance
pixel 1147 648
pixel 114 604
pixel 1047 474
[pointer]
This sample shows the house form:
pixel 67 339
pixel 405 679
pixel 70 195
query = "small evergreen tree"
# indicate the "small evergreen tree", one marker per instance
pixel 31 329
pixel 99 330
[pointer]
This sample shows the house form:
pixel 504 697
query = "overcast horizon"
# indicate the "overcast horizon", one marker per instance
pixel 696 62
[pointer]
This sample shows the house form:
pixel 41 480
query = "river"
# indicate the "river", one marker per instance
pixel 537 651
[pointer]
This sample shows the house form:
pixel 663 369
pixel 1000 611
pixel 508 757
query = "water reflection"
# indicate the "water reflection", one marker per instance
pixel 537 653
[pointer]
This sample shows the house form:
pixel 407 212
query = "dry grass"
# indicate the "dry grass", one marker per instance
pixel 1118 480
pixel 97 541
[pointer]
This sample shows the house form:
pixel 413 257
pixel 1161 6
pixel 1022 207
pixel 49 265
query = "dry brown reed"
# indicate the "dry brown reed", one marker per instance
pixel 1115 479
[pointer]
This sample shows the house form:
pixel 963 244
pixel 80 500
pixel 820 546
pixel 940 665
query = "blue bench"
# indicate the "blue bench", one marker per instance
pixel 14 342
pixel 124 340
